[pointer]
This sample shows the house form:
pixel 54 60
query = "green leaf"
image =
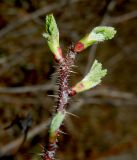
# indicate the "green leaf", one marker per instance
pixel 56 122
pixel 98 34
pixel 51 27
pixel 102 33
pixel 92 79
pixel 52 35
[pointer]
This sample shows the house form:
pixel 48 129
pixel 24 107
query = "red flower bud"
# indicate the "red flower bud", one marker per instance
pixel 79 47
pixel 72 93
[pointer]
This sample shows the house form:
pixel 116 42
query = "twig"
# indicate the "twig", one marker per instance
pixel 130 100
pixel 13 60
pixel 13 146
pixel 109 92
pixel 64 68
pixel 29 17
pixel 33 16
pixel 25 89
pixel 122 18
pixel 111 101
pixel 99 91
pixel 104 20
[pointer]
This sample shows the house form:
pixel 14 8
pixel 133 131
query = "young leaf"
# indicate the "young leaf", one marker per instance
pixel 56 122
pixel 52 36
pixel 102 33
pixel 98 34
pixel 92 79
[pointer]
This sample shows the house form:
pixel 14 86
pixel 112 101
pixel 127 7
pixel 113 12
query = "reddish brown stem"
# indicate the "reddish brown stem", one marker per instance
pixel 63 96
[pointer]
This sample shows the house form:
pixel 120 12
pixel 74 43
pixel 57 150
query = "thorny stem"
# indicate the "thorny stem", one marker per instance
pixel 64 68
pixel 93 78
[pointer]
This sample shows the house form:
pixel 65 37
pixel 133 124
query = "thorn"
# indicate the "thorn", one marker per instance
pixel 62 132
pixel 55 66
pixel 57 83
pixel 54 74
pixel 74 65
pixel 72 114
pixel 40 154
pixel 73 72
pixel 42 146
pixel 55 96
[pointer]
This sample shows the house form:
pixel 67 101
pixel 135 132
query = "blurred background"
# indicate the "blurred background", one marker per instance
pixel 106 127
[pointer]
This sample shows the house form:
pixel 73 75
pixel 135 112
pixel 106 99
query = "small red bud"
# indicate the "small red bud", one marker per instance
pixel 59 57
pixel 60 51
pixel 72 93
pixel 56 59
pixel 79 47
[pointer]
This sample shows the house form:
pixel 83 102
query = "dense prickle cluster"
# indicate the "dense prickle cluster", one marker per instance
pixel 64 71
pixel 49 154
pixel 63 86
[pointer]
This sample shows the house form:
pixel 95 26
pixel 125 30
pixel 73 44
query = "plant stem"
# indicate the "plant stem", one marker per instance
pixel 64 69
